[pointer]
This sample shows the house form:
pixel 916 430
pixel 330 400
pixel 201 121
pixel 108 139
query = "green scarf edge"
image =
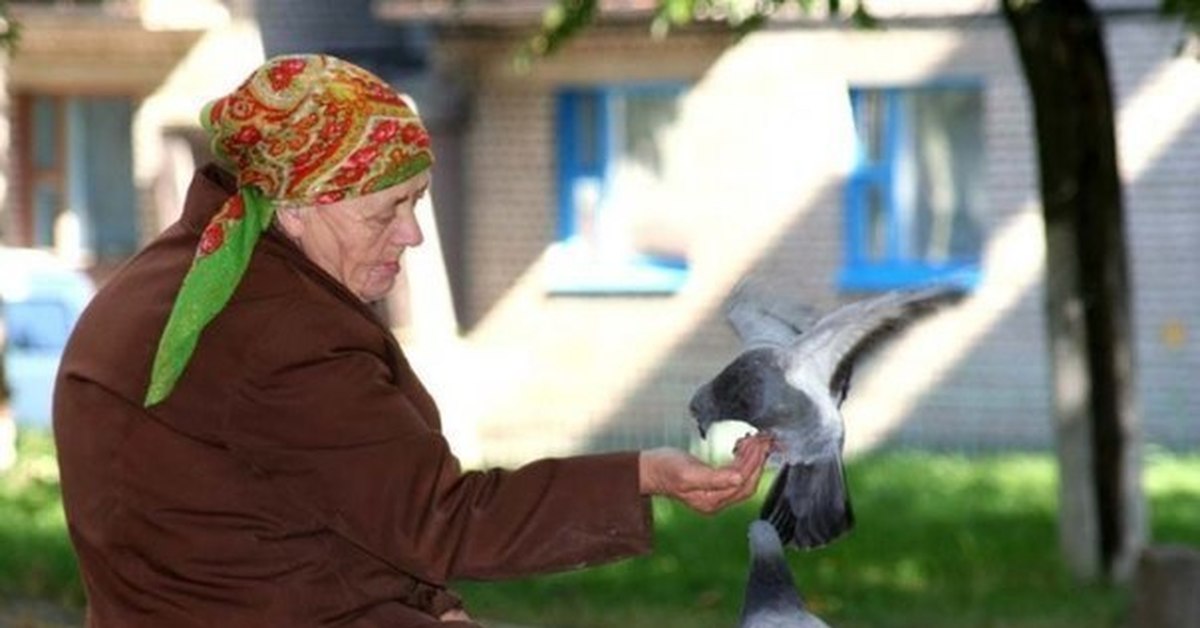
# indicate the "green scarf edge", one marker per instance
pixel 205 291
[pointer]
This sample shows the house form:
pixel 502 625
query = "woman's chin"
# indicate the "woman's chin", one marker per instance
pixel 376 287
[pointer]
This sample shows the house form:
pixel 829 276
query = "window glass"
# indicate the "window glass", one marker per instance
pixel 587 129
pixel 947 146
pixel 47 201
pixel 45 174
pixel 876 225
pixel 616 227
pixel 870 120
pixel 46 140
pixel 78 165
pixel 646 118
pixel 915 195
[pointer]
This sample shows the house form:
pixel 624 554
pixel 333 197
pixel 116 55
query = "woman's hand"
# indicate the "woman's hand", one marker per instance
pixel 677 474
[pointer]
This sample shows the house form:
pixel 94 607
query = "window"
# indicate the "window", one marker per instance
pixel 915 193
pixel 615 231
pixel 76 192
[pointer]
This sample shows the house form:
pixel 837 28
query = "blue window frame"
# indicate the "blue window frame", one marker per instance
pixel 915 193
pixel 611 234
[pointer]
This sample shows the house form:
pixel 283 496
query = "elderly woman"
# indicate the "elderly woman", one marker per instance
pixel 242 442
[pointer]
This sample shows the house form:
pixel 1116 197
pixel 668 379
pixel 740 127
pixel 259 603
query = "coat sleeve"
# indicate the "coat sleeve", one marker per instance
pixel 340 436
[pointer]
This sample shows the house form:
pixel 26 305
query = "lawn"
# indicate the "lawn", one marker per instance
pixel 36 560
pixel 942 540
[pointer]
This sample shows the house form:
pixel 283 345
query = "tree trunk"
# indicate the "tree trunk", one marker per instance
pixel 1102 513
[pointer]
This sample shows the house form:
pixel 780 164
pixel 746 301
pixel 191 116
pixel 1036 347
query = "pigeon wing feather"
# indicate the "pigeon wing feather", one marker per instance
pixel 836 340
pixel 760 317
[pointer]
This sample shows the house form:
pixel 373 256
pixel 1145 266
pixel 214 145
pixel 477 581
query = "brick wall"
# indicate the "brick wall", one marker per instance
pixel 1159 140
pixel 9 225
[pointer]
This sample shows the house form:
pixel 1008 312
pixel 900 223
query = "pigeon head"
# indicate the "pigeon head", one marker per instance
pixel 752 388
pixel 764 540
pixel 772 600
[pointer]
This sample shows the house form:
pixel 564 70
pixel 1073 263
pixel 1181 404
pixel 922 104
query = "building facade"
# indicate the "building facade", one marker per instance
pixel 593 209
pixel 102 103
pixel 97 143
pixel 612 195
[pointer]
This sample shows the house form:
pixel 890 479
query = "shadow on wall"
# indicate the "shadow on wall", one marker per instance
pixel 943 370
pixel 763 193
pixel 655 412
pixel 972 377
pixel 554 376
pixel 559 368
pixel 977 377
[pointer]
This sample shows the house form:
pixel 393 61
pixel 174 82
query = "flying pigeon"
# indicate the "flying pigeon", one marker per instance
pixel 790 380
pixel 771 597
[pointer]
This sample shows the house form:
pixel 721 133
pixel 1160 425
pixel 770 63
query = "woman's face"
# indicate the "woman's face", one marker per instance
pixel 360 241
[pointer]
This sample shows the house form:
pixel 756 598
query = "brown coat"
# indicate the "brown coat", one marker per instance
pixel 297 475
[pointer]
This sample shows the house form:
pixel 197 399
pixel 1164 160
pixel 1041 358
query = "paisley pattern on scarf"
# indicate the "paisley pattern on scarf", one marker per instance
pixel 302 130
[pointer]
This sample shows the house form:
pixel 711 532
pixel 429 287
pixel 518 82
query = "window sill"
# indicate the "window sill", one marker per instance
pixel 570 272
pixel 895 276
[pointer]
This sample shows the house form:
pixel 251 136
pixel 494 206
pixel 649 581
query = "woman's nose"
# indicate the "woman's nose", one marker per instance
pixel 407 231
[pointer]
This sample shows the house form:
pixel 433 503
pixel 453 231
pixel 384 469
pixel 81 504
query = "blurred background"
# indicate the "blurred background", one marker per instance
pixel 590 212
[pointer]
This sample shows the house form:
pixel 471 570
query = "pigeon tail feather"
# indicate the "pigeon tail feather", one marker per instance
pixel 809 504
pixel 776 510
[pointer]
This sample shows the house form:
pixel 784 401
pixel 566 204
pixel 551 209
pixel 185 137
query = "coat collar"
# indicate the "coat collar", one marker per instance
pixel 209 188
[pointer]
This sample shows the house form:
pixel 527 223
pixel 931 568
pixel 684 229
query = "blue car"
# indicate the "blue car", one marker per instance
pixel 41 298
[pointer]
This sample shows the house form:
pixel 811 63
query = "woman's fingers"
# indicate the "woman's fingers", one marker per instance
pixel 702 487
pixel 697 476
pixel 748 466
pixel 755 459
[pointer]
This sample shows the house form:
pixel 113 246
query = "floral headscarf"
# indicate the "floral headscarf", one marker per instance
pixel 304 130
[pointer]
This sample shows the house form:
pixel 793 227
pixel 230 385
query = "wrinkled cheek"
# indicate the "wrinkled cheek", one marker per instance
pixel 363 281
pixel 376 283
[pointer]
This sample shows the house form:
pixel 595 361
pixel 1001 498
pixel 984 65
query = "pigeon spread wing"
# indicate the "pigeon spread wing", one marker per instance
pixel 809 501
pixel 838 339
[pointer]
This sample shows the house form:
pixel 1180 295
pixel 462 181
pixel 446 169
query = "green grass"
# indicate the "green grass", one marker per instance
pixel 36 559
pixel 942 540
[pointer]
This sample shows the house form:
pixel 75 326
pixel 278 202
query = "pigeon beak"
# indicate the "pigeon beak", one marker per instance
pixel 703 432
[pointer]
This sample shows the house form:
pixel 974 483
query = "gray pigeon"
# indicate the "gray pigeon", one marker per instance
pixel 790 380
pixel 771 597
